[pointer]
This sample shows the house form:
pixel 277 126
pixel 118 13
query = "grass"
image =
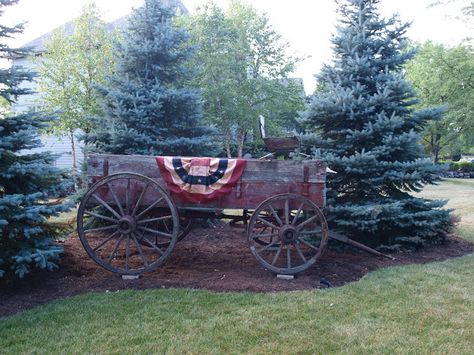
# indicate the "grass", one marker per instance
pixel 422 309
pixel 460 196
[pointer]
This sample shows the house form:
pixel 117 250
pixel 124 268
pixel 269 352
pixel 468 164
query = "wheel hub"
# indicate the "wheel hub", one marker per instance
pixel 288 234
pixel 127 224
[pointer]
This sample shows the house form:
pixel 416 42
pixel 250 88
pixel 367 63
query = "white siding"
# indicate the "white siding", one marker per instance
pixel 59 145
pixel 26 102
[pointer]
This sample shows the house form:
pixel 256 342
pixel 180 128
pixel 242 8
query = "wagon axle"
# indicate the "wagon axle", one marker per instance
pixel 288 234
pixel 127 224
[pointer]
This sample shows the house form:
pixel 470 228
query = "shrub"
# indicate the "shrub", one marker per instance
pixel 462 166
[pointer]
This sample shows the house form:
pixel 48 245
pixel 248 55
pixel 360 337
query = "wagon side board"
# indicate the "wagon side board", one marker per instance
pixel 260 179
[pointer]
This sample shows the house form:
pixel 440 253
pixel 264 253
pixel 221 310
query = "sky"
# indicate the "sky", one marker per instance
pixel 307 25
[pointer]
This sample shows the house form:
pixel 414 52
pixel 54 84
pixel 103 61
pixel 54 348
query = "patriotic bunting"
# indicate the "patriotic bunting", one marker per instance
pixel 200 179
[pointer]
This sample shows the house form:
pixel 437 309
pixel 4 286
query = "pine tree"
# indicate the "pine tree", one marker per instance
pixel 370 134
pixel 27 180
pixel 148 110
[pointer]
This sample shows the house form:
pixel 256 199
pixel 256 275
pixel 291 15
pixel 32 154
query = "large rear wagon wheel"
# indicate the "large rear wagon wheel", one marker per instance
pixel 287 233
pixel 120 221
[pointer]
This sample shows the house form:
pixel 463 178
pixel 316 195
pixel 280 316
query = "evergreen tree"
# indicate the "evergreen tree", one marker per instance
pixel 148 110
pixel 27 180
pixel 370 134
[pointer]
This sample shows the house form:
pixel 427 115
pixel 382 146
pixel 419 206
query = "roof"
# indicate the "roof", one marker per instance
pixel 38 43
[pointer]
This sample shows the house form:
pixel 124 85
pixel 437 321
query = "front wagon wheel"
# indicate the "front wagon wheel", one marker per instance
pixel 120 223
pixel 287 233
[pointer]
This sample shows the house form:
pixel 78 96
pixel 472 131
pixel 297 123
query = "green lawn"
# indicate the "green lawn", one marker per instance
pixel 412 309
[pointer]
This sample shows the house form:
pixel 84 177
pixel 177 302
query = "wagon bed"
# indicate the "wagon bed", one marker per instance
pixel 260 179
pixel 129 221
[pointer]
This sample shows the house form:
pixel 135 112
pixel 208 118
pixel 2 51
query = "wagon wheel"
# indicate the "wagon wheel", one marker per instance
pixel 287 233
pixel 267 229
pixel 185 226
pixel 120 219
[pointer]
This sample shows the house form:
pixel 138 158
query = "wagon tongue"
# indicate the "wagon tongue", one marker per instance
pixel 344 239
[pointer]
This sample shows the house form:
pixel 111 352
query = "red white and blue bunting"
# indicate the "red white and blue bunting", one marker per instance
pixel 200 179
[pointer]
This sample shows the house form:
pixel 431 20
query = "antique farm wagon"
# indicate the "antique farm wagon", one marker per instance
pixel 138 207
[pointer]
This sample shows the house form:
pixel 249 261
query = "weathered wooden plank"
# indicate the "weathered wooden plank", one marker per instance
pixel 251 195
pixel 260 180
pixel 255 170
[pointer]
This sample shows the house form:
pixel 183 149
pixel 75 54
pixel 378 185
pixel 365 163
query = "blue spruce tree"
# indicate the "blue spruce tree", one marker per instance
pixel 27 180
pixel 148 108
pixel 369 134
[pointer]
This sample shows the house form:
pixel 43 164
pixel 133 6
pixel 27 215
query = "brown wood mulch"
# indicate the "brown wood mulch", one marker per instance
pixel 216 259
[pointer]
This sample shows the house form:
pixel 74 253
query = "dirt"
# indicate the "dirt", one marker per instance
pixel 216 259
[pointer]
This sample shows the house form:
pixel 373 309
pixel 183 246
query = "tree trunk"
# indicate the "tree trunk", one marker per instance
pixel 227 146
pixel 242 137
pixel 436 148
pixel 73 148
pixel 436 155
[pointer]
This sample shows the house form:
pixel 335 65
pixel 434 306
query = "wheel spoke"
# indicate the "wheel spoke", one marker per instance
pixel 287 211
pixel 88 223
pixel 297 213
pixel 154 231
pixel 309 244
pixel 314 231
pixel 117 202
pixel 127 252
pixel 112 255
pixel 271 225
pixel 277 254
pixel 288 255
pixel 106 205
pixel 154 246
pixel 266 247
pixel 109 219
pixel 260 226
pixel 139 201
pixel 105 241
pixel 275 214
pixel 300 253
pixel 149 207
pixel 166 226
pixel 144 221
pixel 127 197
pixel 309 220
pixel 100 229
pixel 265 235
pixel 140 251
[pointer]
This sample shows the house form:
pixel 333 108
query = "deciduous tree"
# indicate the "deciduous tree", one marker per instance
pixel 445 76
pixel 243 70
pixel 71 67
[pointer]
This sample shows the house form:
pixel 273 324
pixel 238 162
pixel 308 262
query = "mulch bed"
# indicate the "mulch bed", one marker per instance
pixel 216 259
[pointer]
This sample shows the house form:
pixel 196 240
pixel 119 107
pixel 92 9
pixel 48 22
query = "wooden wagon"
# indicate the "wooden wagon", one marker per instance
pixel 129 221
